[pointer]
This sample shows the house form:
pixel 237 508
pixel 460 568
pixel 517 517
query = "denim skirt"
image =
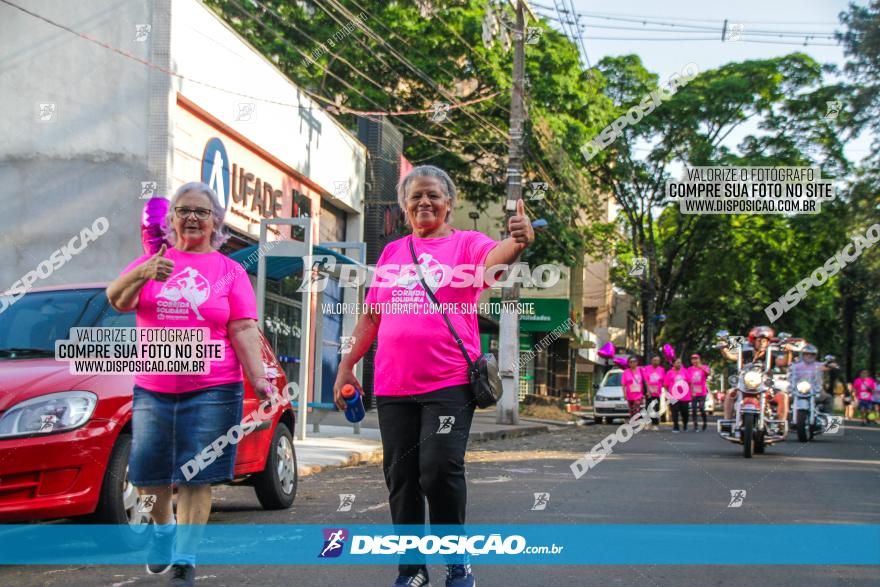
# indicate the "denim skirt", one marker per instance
pixel 174 435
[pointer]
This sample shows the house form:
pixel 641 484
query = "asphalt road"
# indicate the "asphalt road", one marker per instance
pixel 656 478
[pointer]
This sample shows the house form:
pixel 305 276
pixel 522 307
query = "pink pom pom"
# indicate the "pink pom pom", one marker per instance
pixel 669 352
pixel 153 224
pixel 621 362
pixel 607 351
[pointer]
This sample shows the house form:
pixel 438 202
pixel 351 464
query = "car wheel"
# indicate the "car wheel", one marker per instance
pixel 117 502
pixel 276 485
pixel 597 419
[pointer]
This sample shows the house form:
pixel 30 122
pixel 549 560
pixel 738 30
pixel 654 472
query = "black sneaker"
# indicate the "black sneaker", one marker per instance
pixel 459 576
pixel 159 555
pixel 184 576
pixel 420 579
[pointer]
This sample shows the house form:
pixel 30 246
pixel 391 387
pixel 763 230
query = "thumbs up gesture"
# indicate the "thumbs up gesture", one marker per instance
pixel 520 227
pixel 157 267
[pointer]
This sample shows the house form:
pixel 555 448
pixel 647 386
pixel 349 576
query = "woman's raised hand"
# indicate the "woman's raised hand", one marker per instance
pixel 157 267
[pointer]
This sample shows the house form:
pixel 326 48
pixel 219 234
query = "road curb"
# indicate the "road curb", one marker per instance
pixel 374 456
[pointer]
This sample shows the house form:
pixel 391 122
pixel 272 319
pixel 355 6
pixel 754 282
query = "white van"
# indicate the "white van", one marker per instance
pixel 609 402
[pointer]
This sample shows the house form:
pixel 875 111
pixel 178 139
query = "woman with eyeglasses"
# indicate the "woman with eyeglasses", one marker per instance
pixel 174 416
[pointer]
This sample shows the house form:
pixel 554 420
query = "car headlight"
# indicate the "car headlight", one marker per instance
pixel 53 412
pixel 804 387
pixel 602 398
pixel 752 379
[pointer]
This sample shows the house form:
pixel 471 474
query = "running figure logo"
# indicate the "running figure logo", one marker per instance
pixel 346 500
pixel 446 423
pixel 737 496
pixel 541 500
pixel 188 285
pixel 835 425
pixel 334 540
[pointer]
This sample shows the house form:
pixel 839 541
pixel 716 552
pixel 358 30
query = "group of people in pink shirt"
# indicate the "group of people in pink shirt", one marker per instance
pixel 867 394
pixel 685 387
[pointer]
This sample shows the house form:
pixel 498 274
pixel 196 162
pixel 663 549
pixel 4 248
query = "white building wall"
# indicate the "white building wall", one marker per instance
pixel 88 160
pixel 113 118
pixel 206 52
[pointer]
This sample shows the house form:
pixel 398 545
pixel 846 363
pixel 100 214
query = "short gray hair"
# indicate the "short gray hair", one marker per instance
pixel 446 184
pixel 219 234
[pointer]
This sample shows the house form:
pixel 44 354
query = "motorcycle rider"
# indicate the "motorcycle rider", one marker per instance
pixel 759 337
pixel 812 371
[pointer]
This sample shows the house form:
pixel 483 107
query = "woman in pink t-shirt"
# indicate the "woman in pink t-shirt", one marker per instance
pixel 678 390
pixel 864 388
pixel 698 373
pixel 421 383
pixel 632 385
pixel 175 416
pixel 653 376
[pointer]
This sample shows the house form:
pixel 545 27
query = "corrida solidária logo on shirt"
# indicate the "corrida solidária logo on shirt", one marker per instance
pixel 432 270
pixel 184 291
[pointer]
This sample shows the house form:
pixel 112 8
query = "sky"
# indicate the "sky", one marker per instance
pixel 669 55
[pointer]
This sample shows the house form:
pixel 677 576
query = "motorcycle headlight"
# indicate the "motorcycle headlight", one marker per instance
pixel 53 412
pixel 804 386
pixel 752 379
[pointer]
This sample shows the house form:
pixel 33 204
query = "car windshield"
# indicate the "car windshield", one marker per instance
pixel 30 326
pixel 613 379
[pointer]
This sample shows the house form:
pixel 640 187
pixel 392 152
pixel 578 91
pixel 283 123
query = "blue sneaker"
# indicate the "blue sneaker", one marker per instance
pixel 159 554
pixel 420 579
pixel 459 576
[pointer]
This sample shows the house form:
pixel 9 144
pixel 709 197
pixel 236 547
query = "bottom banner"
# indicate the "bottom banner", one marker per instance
pixel 608 544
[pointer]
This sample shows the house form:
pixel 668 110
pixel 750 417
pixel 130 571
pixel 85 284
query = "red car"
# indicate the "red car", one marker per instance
pixel 79 465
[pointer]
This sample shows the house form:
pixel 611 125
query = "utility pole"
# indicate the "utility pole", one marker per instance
pixel 507 409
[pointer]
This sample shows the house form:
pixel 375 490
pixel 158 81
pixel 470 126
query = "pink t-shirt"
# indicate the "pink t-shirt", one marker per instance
pixel 416 352
pixel 697 378
pixel 632 384
pixel 864 387
pixel 205 290
pixel 677 386
pixel 653 377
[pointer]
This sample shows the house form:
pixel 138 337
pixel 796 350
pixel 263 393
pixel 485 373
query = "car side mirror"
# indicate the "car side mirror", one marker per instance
pixel 595 387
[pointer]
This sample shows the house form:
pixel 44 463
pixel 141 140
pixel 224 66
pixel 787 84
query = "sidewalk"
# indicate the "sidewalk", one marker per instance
pixel 336 445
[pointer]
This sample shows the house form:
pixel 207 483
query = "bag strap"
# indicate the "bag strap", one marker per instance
pixel 430 293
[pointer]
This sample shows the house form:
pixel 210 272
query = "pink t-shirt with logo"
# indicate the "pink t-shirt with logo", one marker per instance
pixel 632 385
pixel 416 352
pixel 653 377
pixel 864 387
pixel 697 378
pixel 205 290
pixel 676 384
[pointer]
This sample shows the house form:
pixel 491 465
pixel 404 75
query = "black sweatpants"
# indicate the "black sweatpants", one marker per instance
pixel 680 408
pixel 699 403
pixel 424 438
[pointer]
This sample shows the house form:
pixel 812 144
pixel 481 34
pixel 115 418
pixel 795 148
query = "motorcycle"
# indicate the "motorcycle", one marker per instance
pixel 806 418
pixel 753 425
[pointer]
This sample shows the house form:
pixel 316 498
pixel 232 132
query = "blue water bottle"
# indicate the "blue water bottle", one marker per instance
pixel 354 409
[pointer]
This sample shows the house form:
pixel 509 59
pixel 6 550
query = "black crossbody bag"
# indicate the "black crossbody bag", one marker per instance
pixel 483 374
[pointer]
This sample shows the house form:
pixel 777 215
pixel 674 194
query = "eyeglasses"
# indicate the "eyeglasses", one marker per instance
pixel 201 213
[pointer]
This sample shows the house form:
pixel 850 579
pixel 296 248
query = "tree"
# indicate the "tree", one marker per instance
pixel 400 59
pixel 782 98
